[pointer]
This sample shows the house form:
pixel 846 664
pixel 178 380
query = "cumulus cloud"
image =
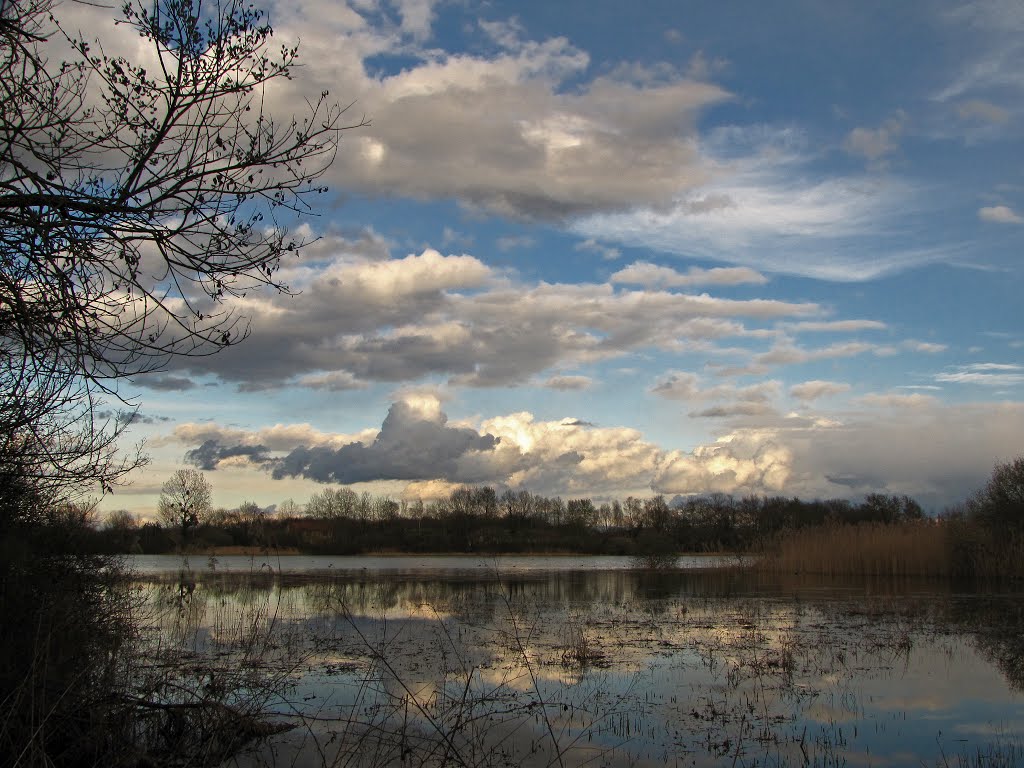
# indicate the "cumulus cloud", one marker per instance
pixel 533 133
pixel 211 454
pixel 417 444
pixel 936 453
pixel 361 320
pixel 742 462
pixel 654 276
pixel 411 445
pixel 1000 214
pixel 280 437
pixel 813 390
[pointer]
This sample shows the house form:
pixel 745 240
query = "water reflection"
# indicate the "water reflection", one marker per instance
pixel 619 667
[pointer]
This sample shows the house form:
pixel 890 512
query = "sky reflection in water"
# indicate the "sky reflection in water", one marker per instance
pixel 630 668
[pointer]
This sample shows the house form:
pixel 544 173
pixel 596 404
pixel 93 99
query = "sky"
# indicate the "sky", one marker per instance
pixel 606 249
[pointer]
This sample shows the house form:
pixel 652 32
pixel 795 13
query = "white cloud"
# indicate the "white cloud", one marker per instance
pixel 741 462
pixel 360 320
pixel 280 437
pixel 1000 214
pixel 531 132
pixel 762 208
pixel 417 16
pixel 335 381
pixel 813 390
pixel 682 385
pixel 996 61
pixel 935 453
pixel 789 354
pixel 985 374
pixel 875 143
pixel 927 347
pixel 605 252
pixel 838 326
pixel 891 400
pixel 654 276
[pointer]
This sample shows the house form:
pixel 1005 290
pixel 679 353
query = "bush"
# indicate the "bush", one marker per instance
pixel 66 620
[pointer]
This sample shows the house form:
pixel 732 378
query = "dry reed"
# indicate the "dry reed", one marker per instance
pixel 919 548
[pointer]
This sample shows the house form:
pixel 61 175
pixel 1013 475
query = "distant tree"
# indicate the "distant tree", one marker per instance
pixel 485 501
pixel 417 509
pixel 580 513
pixel 656 514
pixel 385 509
pixel 333 503
pixel 1000 504
pixel 462 501
pixel 518 506
pixel 880 507
pixel 632 512
pixel 286 509
pixel 250 512
pixel 184 501
pixel 618 517
pixel 121 520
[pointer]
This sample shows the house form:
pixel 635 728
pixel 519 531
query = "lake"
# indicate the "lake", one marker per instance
pixel 586 661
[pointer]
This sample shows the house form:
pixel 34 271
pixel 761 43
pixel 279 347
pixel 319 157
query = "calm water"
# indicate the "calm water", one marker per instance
pixel 401 564
pixel 548 661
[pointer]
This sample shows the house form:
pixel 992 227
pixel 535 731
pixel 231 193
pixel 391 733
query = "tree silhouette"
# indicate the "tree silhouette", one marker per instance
pixel 184 501
pixel 134 200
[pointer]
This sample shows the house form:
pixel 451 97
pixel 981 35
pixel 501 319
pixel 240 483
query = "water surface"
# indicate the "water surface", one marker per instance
pixel 547 661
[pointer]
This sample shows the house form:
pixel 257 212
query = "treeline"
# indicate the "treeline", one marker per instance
pixel 479 519
pixel 979 540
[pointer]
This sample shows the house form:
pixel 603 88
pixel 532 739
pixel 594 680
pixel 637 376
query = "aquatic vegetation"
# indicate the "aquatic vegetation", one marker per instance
pixel 608 668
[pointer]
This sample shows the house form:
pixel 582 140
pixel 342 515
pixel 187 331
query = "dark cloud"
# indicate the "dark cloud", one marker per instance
pixel 410 446
pixel 129 417
pixel 165 383
pixel 212 452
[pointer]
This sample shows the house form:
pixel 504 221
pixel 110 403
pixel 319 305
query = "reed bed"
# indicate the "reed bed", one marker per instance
pixel 918 548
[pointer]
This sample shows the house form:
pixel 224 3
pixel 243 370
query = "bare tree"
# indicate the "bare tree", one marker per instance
pixel 184 501
pixel 133 202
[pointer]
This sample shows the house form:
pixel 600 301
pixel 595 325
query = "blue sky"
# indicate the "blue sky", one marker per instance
pixel 602 249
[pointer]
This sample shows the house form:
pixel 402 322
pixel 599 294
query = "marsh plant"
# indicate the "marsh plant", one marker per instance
pixel 638 667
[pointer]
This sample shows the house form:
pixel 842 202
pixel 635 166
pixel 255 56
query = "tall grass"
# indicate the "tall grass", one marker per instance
pixel 945 548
